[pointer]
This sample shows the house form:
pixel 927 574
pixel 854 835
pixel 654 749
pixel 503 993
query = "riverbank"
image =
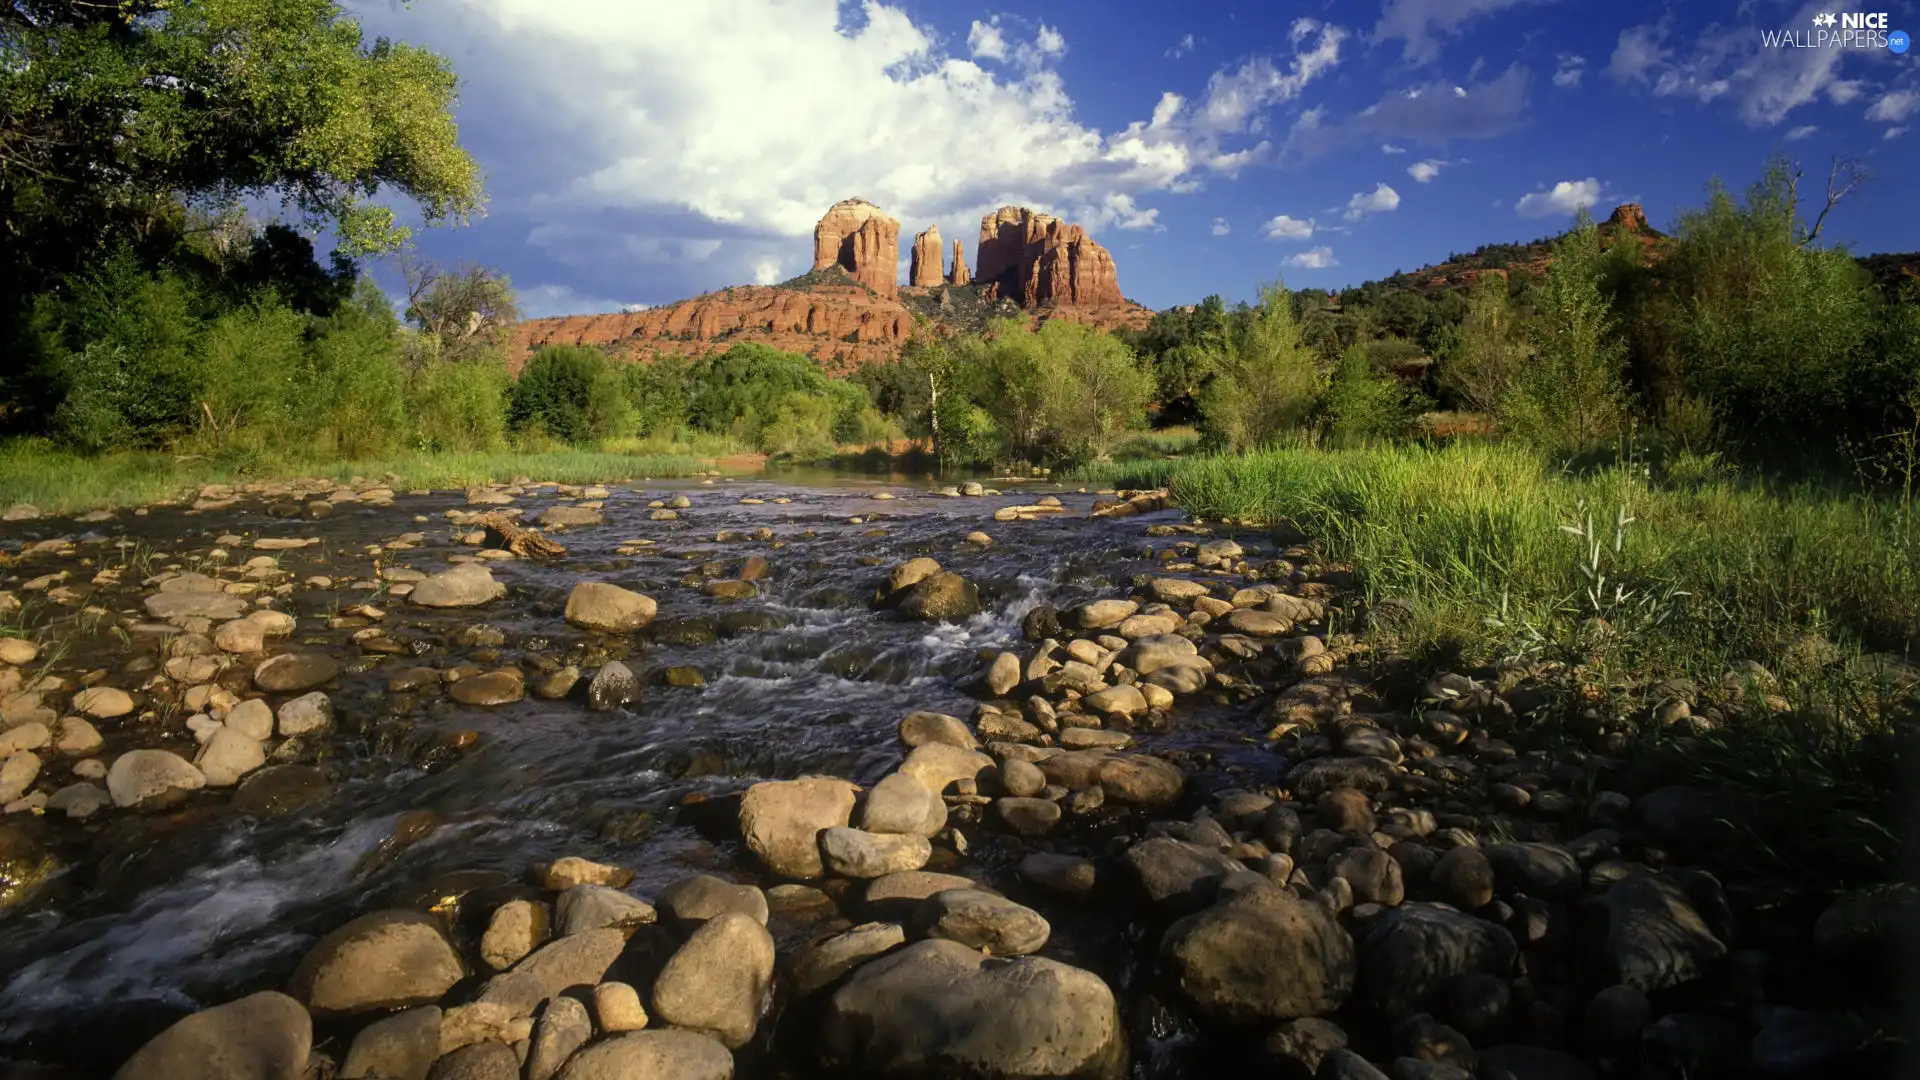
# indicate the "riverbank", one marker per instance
pixel 58 482
pixel 1115 749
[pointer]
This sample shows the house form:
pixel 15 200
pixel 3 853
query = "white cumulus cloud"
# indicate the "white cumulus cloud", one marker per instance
pixel 1220 227
pixel 1424 171
pixel 1801 132
pixel 1572 68
pixel 986 42
pixel 1313 259
pixel 1181 47
pixel 1389 148
pixel 1286 228
pixel 1895 106
pixel 1565 197
pixel 1381 200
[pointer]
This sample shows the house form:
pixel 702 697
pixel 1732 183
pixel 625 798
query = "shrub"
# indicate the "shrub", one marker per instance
pixel 253 373
pixel 459 406
pixel 1481 357
pixel 1364 403
pixel 1099 393
pixel 1572 396
pixel 1266 380
pixel 571 393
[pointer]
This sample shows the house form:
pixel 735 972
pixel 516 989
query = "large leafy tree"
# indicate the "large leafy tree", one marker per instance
pixel 116 114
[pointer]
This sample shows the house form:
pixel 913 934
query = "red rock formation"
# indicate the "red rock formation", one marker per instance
pixel 843 326
pixel 1039 260
pixel 1631 217
pixel 856 236
pixel 959 276
pixel 925 271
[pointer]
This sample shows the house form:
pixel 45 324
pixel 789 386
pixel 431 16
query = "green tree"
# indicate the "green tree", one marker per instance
pixel 1479 359
pixel 1572 395
pixel 570 393
pixel 1102 392
pixel 1266 380
pixel 462 312
pixel 113 112
pixel 1365 403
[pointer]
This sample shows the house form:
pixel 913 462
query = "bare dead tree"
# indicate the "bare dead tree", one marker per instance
pixel 1844 176
pixel 465 311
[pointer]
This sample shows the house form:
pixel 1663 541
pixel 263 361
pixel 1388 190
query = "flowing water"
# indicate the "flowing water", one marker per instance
pixel 160 914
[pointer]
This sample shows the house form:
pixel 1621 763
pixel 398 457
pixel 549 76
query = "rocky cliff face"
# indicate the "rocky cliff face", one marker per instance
pixel 858 237
pixel 1051 268
pixel 1038 260
pixel 843 326
pixel 925 271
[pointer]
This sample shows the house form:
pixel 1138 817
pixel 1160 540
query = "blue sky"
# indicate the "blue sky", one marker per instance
pixel 643 151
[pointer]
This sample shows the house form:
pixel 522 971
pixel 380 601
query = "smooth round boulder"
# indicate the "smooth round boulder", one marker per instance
pixel 383 960
pixel 1410 955
pixel 703 896
pixel 782 820
pixel 295 673
pixel 264 1036
pixel 151 778
pixel 856 853
pixel 102 703
pixel 466 585
pixel 502 687
pixel 943 597
pixel 654 1055
pixel 902 804
pixel 718 982
pixel 608 609
pixel 938 1007
pixel 938 765
pixel 228 756
pixel 981 920
pixel 1262 955
pixel 920 728
pixel 403 1046
pixel 822 963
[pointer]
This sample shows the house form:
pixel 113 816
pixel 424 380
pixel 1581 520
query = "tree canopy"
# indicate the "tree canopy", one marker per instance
pixel 118 115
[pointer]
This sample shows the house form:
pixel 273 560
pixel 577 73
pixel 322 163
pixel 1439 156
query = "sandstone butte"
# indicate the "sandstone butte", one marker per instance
pixel 851 311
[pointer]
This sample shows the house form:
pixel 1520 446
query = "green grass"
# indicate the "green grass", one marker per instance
pixel 61 483
pixel 1680 572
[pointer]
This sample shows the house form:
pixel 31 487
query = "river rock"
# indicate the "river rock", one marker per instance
pixel 465 585
pixel 920 728
pixel 1175 590
pixel 938 765
pixel 613 685
pixel 652 1055
pixel 703 896
pixel 901 804
pixel 571 517
pixel 1140 779
pixel 180 606
pixel 1003 675
pixel 617 1006
pixel 254 719
pixel 151 778
pixel 1027 817
pixel 78 801
pixel 278 789
pixel 1022 779
pixel 77 737
pixel 308 714
pixel 822 963
pixel 1149 654
pixel 1645 933
pixel 1256 623
pixel 1124 702
pixel 1373 874
pixel 503 687
pixel 564 1027
pixel 1066 874
pixel 1544 870
pixel 608 609
pixel 1409 956
pixel 944 597
pixel 1311 779
pixel 383 960
pixel 938 1008
pixel 896 897
pixel 719 981
pixel 576 960
pixel 17 774
pixel 265 1036
pixel 240 636
pixel 517 928
pixel 18 651
pixel 1463 878
pixel 295 673
pixel 595 907
pixel 981 920
pixel 478 1061
pixel 911 573
pixel 1100 614
pixel 228 756
pixel 1261 955
pixel 782 820
pixel 856 853
pixel 403 1046
pixel 570 870
pixel 102 703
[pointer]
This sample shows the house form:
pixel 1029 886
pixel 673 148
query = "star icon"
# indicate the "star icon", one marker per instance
pixel 1824 19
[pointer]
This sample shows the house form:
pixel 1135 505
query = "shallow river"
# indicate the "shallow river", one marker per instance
pixel 162 914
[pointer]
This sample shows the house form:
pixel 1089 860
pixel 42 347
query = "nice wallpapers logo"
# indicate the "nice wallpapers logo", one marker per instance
pixel 1848 30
